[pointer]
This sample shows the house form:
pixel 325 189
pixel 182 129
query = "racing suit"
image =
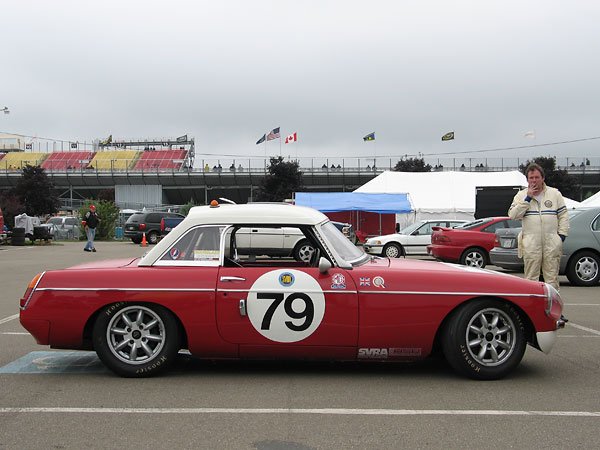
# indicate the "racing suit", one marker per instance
pixel 545 226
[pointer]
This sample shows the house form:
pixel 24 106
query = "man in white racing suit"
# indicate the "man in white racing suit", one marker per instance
pixel 545 226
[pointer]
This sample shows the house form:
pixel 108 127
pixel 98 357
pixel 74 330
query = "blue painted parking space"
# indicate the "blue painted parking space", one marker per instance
pixel 56 362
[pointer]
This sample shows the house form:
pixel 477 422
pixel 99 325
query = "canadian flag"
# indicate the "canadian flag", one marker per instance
pixel 291 138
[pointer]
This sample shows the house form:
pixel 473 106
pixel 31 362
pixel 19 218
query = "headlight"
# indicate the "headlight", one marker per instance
pixel 551 295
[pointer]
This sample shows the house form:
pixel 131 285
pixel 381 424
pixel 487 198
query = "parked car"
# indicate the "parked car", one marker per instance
pixel 468 244
pixel 412 240
pixel 145 222
pixel 194 290
pixel 64 227
pixel 580 260
pixel 347 230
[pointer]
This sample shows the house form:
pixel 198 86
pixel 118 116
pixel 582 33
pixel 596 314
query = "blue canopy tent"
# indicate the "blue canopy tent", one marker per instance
pixel 329 202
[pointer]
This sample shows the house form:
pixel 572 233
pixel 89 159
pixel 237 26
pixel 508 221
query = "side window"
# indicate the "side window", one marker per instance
pixel 495 226
pixel 596 224
pixel 152 218
pixel 426 229
pixel 200 245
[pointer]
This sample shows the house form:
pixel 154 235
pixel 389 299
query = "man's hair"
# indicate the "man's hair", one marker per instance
pixel 534 166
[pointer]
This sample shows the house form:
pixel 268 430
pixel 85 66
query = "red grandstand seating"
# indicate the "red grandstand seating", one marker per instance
pixel 160 159
pixel 65 160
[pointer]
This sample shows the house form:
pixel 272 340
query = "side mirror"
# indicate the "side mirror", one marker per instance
pixel 397 228
pixel 324 265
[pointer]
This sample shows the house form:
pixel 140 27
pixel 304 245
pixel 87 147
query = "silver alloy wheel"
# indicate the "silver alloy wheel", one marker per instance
pixel 491 337
pixel 392 251
pixel 136 334
pixel 586 268
pixel 474 258
pixel 305 252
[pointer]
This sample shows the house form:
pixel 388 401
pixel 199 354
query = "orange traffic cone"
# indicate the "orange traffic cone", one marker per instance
pixel 144 243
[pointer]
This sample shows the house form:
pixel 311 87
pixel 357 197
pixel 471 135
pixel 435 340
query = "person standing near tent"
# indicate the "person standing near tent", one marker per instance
pixel 90 222
pixel 545 226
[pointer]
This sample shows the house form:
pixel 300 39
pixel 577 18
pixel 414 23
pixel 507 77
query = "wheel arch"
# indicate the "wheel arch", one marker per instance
pixel 88 328
pixel 529 328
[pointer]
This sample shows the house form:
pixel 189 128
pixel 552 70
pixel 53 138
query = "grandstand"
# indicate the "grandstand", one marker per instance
pixel 161 160
pixel 114 159
pixel 18 160
pixel 67 160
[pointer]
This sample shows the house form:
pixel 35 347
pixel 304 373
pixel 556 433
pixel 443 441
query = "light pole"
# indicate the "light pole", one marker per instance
pixel 5 110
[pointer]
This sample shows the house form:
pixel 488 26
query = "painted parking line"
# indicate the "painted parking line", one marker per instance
pixel 56 362
pixel 9 318
pixel 306 411
pixel 579 327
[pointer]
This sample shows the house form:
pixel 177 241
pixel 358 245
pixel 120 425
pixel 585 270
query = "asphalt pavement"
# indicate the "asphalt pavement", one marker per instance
pixel 67 400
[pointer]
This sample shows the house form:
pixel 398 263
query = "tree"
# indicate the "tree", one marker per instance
pixel 185 209
pixel 284 178
pixel 108 213
pixel 11 207
pixel 34 190
pixel 412 165
pixel 557 178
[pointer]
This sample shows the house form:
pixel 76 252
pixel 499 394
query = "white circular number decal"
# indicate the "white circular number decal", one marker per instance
pixel 286 305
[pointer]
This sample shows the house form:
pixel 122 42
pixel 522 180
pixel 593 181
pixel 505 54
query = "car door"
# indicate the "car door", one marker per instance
pixel 273 311
pixel 420 239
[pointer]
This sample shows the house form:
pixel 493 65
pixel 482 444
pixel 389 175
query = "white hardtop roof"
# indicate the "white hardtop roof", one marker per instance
pixel 594 200
pixel 255 213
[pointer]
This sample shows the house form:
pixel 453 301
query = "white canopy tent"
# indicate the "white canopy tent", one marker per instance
pixel 594 200
pixel 440 194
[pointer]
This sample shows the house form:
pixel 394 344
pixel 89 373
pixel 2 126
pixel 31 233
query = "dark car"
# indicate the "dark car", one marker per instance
pixel 146 222
pixel 580 260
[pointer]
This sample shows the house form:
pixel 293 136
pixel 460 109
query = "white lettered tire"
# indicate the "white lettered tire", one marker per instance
pixel 136 340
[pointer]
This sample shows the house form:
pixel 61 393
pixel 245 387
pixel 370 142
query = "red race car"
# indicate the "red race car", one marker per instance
pixel 198 290
pixel 468 244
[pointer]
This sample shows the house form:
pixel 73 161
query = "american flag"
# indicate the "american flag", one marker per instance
pixel 365 282
pixel 274 134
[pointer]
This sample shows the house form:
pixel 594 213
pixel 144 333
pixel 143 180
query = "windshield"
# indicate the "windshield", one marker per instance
pixel 409 229
pixel 56 220
pixel 342 245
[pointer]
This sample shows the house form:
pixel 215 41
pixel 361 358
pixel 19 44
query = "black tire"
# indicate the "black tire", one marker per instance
pixel 136 240
pixel 19 232
pixel 584 269
pixel 474 257
pixel 303 251
pixel 393 250
pixel 152 237
pixel 147 356
pixel 484 339
pixel 17 240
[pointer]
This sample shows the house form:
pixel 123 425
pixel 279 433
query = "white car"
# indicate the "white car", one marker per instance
pixel 412 240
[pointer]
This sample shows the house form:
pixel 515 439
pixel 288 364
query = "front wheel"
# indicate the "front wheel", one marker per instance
pixel 584 269
pixel 393 250
pixel 484 340
pixel 474 257
pixel 303 251
pixel 136 340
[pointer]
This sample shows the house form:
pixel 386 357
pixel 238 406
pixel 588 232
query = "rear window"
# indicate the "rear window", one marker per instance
pixel 474 224
pixel 136 218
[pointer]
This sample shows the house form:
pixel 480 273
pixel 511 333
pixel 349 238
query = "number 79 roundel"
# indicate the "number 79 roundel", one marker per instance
pixel 286 305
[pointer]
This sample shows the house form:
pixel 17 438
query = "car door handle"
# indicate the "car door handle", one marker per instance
pixel 232 279
pixel 242 307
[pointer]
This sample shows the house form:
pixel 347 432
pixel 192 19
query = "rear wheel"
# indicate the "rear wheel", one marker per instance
pixel 584 269
pixel 484 340
pixel 136 340
pixel 152 237
pixel 393 250
pixel 474 257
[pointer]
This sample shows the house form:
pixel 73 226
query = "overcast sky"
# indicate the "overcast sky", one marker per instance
pixel 226 72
